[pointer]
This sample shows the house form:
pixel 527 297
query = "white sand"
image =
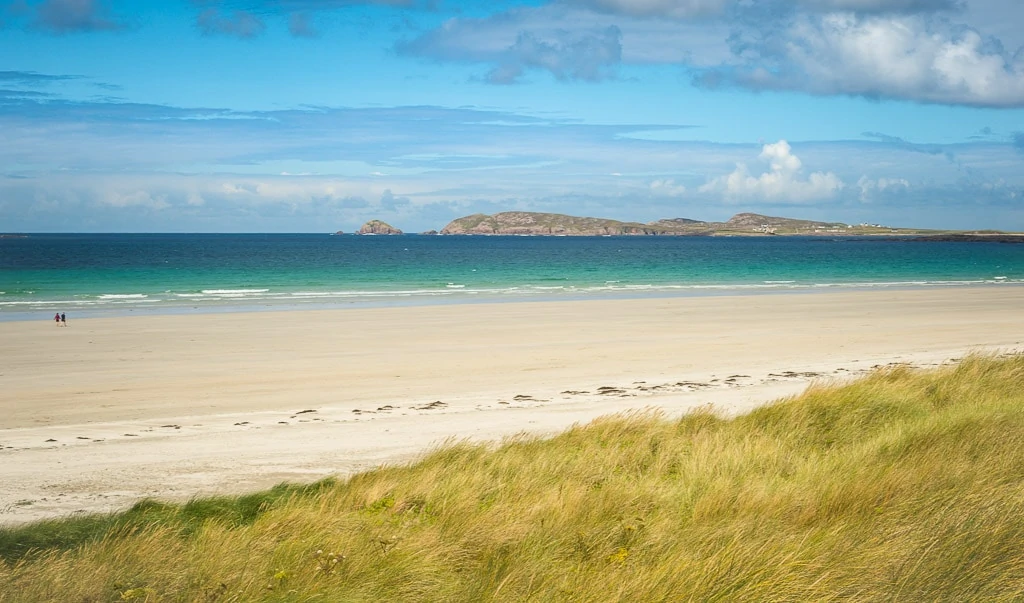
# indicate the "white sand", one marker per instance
pixel 107 411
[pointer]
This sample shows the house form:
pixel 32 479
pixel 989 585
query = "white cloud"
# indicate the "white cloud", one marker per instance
pixel 667 187
pixel 868 187
pixel 781 182
pixel 903 57
pixel 138 198
pixel 234 188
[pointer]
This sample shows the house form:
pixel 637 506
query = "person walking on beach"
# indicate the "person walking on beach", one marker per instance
pixel 63 320
pixel 56 318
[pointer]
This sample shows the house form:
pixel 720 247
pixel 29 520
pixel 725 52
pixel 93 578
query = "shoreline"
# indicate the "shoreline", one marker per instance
pixel 456 297
pixel 177 406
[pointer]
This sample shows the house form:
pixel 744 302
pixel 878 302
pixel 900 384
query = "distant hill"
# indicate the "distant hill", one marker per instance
pixel 534 223
pixel 748 222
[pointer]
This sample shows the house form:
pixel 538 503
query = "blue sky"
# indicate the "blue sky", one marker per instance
pixel 318 115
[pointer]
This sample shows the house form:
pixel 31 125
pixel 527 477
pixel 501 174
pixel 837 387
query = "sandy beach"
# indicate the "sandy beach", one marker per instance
pixel 111 410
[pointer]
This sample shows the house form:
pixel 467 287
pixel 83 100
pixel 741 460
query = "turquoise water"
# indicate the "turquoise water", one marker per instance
pixel 112 274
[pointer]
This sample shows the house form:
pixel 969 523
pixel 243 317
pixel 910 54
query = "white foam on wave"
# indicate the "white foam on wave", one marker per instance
pixel 234 292
pixel 126 296
pixel 910 283
pixel 454 286
pixel 362 293
pixel 50 302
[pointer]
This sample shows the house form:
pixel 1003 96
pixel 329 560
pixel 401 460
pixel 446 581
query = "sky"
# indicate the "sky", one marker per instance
pixel 319 115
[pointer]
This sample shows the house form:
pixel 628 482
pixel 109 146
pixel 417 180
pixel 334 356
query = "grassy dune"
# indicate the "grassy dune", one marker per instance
pixel 902 486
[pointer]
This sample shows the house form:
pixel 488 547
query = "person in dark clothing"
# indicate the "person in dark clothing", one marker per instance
pixel 63 320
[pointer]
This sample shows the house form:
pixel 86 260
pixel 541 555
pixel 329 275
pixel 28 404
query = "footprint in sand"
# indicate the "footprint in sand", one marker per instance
pixel 794 374
pixel 432 405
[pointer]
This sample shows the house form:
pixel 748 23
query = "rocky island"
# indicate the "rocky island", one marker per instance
pixel 377 227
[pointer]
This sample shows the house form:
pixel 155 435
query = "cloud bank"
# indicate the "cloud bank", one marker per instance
pixel 908 58
pixel 66 16
pixel 237 23
pixel 672 9
pixel 124 166
pixel 585 56
pixel 913 50
pixel 246 19
pixel 686 9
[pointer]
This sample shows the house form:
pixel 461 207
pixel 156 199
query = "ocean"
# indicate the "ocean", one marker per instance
pixel 119 274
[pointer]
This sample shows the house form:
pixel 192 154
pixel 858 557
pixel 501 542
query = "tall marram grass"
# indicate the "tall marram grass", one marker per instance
pixel 904 485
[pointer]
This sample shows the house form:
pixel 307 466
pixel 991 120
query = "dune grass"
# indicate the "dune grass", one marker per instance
pixel 904 485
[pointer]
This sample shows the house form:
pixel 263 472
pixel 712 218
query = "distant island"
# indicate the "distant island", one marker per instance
pixel 743 224
pixel 377 227
pixel 525 223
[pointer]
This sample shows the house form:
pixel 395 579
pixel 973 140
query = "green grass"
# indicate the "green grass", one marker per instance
pixel 904 485
pixel 67 534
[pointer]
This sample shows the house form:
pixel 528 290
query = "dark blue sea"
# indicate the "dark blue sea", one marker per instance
pixel 90 274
